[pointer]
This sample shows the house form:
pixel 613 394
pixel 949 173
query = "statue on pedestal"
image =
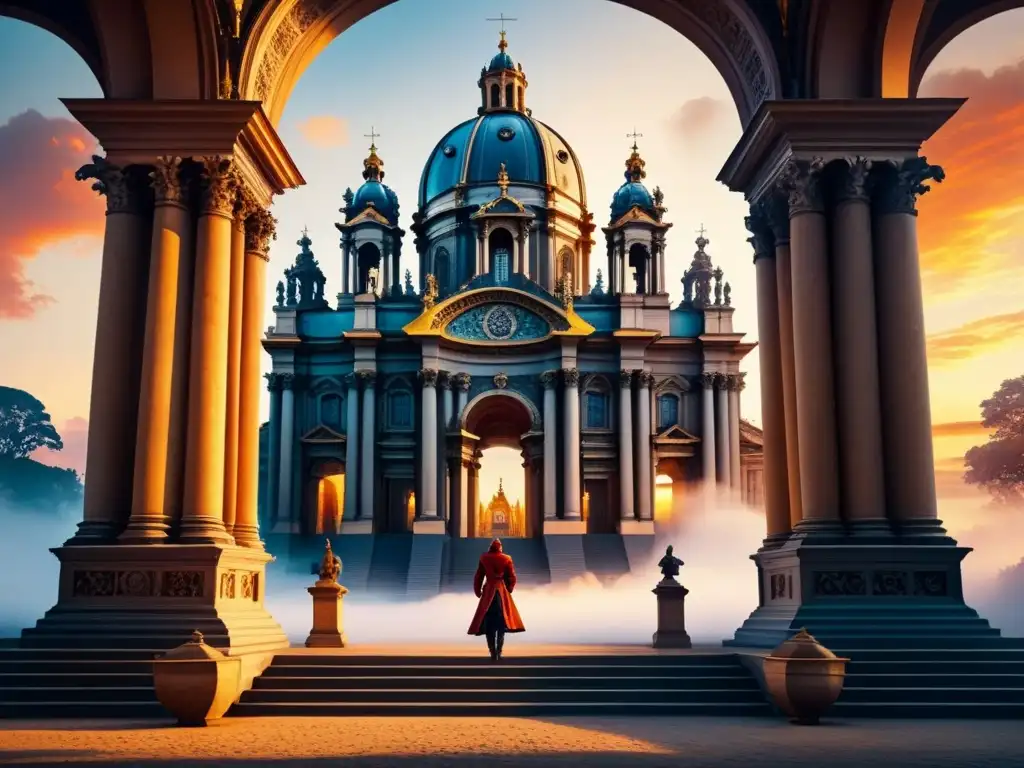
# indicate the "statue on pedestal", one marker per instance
pixel 669 565
pixel 328 628
pixel 671 597
pixel 330 566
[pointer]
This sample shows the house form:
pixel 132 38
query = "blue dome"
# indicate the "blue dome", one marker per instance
pixel 629 194
pixel 383 198
pixel 511 138
pixel 501 61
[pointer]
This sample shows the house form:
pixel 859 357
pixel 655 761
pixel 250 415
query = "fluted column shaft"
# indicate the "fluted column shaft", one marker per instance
pixel 906 410
pixel 722 432
pixel 113 407
pixel 645 482
pixel 259 228
pixel 858 400
pixel 369 444
pixel 735 384
pixel 444 420
pixel 273 446
pixel 427 506
pixel 626 486
pixel 812 345
pixel 236 294
pixel 549 379
pixel 707 436
pixel 284 462
pixel 202 519
pixel 352 448
pixel 571 454
pixel 149 522
pixel 463 381
pixel 773 419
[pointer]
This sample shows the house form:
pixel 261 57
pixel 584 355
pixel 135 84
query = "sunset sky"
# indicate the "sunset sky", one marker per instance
pixel 593 87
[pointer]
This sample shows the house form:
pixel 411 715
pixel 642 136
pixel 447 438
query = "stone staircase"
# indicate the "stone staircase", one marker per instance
pixel 52 683
pixel 644 685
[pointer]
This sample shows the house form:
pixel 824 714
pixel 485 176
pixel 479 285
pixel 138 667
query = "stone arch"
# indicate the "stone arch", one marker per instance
pixel 535 419
pixel 287 36
pixel 313 514
pixel 501 241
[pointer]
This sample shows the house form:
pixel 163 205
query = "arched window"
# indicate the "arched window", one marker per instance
pixel 368 258
pixel 495 96
pixel 638 260
pixel 510 96
pixel 330 411
pixel 443 270
pixel 596 403
pixel 500 246
pixel 668 410
pixel 565 263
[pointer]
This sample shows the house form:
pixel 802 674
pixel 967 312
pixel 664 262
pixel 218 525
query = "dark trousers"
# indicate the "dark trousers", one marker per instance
pixel 494 627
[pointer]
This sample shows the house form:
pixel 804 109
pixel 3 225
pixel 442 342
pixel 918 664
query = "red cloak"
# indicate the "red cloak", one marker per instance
pixel 495 579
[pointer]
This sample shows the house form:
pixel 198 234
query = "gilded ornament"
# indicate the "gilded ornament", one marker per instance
pixel 430 294
pixel 500 380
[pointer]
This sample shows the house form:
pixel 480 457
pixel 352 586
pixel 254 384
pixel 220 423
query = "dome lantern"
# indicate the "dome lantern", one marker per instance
pixel 502 82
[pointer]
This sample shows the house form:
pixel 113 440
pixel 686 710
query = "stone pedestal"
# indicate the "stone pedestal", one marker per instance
pixel 671 615
pixel 328 623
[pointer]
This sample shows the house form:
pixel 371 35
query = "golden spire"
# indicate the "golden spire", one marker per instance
pixel 373 166
pixel 503 180
pixel 634 163
pixel 502 42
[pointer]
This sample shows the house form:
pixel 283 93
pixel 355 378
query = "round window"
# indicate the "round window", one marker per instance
pixel 506 134
pixel 563 156
pixel 449 150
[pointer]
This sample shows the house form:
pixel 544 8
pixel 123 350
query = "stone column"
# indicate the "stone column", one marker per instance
pixel 472 497
pixel 571 453
pixel 351 447
pixel 236 297
pixel 172 224
pixel 463 381
pixel 773 416
pixel 273 445
pixel 113 408
pixel 445 418
pixel 644 479
pixel 369 444
pixel 812 345
pixel 427 506
pixel 722 431
pixel 259 229
pixel 202 519
pixel 906 411
pixel 524 242
pixel 735 386
pixel 777 211
pixel 707 436
pixel 627 490
pixel 661 265
pixel 858 400
pixel 284 477
pixel 549 380
pixel 345 247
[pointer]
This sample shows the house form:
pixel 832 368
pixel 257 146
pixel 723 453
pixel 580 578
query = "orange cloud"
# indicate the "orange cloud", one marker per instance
pixel 975 338
pixel 41 202
pixel 74 435
pixel 325 131
pixel 971 226
pixel 960 429
pixel 698 117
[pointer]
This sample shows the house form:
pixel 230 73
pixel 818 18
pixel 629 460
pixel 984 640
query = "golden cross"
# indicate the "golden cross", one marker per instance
pixel 502 18
pixel 372 136
pixel 634 136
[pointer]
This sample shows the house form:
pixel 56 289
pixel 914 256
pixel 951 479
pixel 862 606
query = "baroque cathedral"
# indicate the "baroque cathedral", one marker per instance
pixel 382 404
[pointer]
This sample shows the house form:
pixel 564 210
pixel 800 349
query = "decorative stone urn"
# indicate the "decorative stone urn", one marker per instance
pixel 804 678
pixel 671 605
pixel 328 625
pixel 196 683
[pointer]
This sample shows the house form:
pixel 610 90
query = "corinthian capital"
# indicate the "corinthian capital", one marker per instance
pixel 119 185
pixel 219 186
pixel 900 182
pixel 707 379
pixel 625 379
pixel 801 181
pixel 429 376
pixel 446 379
pixel 260 229
pixel 721 381
pixel 758 226
pixel 853 180
pixel 273 381
pixel 571 377
pixel 463 381
pixel 549 379
pixel 165 178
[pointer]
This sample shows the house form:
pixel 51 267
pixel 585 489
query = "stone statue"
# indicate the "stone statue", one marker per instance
pixel 371 280
pixel 669 565
pixel 280 293
pixel 430 294
pixel 348 197
pixel 292 287
pixel 598 289
pixel 728 295
pixel 330 566
pixel 718 274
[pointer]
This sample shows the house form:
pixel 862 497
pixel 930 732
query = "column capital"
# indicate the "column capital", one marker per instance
pixel 445 379
pixel 898 183
pixel 759 227
pixel 219 185
pixel 644 379
pixel 852 179
pixel 625 379
pixel 549 379
pixel 351 380
pixel 463 381
pixel 368 377
pixel 801 181
pixel 124 188
pixel 721 381
pixel 260 229
pixel 287 380
pixel 571 377
pixel 707 379
pixel 429 376
pixel 166 179
pixel 735 382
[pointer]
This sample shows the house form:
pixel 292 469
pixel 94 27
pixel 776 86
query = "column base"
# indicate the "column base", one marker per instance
pixel 247 536
pixel 152 597
pixel 930 528
pixel 853 594
pixel 145 530
pixel 204 530
pixel 91 533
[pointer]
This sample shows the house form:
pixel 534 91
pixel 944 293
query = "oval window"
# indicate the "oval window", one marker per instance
pixel 506 133
pixel 563 156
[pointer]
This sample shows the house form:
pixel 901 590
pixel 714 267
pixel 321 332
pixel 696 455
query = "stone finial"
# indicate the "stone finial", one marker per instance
pixel 718 275
pixel 598 289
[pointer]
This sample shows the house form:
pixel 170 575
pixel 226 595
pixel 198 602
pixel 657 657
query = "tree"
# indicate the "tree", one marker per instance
pixel 24 425
pixel 998 466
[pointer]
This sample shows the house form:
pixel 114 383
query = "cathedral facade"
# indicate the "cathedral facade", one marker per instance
pixel 382 404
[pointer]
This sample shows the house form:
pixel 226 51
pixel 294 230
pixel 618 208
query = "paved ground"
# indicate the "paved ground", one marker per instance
pixel 529 743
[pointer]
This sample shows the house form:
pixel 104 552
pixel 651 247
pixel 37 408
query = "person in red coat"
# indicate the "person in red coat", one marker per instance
pixel 496 614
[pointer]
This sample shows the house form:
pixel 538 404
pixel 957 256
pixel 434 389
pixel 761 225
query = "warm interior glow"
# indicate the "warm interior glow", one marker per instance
pixel 662 498
pixel 330 503
pixel 586 506
pixel 410 509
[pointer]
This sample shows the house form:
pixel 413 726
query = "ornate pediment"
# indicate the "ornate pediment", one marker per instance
pixel 497 316
pixel 323 434
pixel 636 215
pixel 675 434
pixel 501 206
pixel 369 215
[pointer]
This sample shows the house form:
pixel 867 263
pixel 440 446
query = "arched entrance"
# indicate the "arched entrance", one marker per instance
pixel 500 420
pixel 324 498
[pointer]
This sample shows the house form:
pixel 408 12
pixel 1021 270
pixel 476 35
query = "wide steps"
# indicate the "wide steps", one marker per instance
pixel 525 709
pixel 502 672
pixel 507 683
